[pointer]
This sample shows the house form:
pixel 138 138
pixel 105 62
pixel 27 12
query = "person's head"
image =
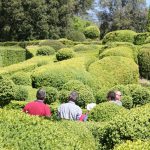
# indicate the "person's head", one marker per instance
pixel 73 96
pixel 111 95
pixel 118 95
pixel 41 94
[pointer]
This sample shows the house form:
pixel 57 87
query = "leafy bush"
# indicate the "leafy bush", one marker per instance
pixel 105 112
pixel 21 93
pixel 37 133
pixel 127 102
pixel 51 95
pixel 65 53
pixel 80 47
pixel 45 50
pixel 119 36
pixel 132 125
pixel 7 89
pixel 21 78
pixel 76 36
pixel 134 145
pixel 63 96
pixel 114 70
pixel 85 92
pixel 11 54
pixel 66 42
pixel 140 96
pixel 144 63
pixel 52 43
pixel 147 40
pixel 118 51
pixel 140 38
pixel 92 32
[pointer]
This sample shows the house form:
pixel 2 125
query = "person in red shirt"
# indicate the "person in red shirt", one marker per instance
pixel 38 107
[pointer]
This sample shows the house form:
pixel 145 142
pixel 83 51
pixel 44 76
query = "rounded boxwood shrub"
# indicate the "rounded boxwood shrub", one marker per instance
pixel 65 53
pixel 105 112
pixel 140 38
pixel 52 43
pixel 127 102
pixel 7 89
pixel 115 70
pixel 38 133
pixel 21 93
pixel 144 62
pixel 118 51
pixel 76 36
pixel 81 47
pixel 84 91
pixel 140 96
pixel 92 32
pixel 133 145
pixel 21 78
pixel 45 50
pixel 51 95
pixel 147 40
pixel 63 96
pixel 119 36
pixel 66 42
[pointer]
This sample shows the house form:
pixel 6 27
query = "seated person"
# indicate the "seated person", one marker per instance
pixel 38 107
pixel 114 97
pixel 70 110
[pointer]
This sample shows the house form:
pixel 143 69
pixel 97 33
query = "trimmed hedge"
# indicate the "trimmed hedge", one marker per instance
pixel 11 54
pixel 132 125
pixel 140 38
pixel 92 32
pixel 127 102
pixel 144 62
pixel 76 36
pixel 118 51
pixel 45 50
pixel 105 112
pixel 21 78
pixel 85 92
pixel 66 42
pixel 7 90
pixel 134 145
pixel 51 94
pixel 31 132
pixel 21 93
pixel 115 70
pixel 119 36
pixel 53 43
pixel 65 53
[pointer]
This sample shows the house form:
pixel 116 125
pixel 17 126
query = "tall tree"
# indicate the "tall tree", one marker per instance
pixel 122 14
pixel 148 22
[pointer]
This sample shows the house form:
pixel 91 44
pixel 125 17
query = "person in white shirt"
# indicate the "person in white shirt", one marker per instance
pixel 70 111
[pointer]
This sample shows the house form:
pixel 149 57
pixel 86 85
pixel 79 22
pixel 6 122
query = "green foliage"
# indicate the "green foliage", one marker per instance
pixel 63 96
pixel 147 40
pixel 140 38
pixel 119 36
pixel 144 62
pixel 65 53
pixel 80 47
pixel 78 24
pixel 45 50
pixel 21 93
pixel 134 145
pixel 11 55
pixel 105 112
pixel 140 96
pixel 21 78
pixel 114 70
pixel 118 51
pixel 127 102
pixel 132 125
pixel 37 133
pixel 66 42
pixel 52 43
pixel 92 32
pixel 76 36
pixel 84 91
pixel 51 95
pixel 7 89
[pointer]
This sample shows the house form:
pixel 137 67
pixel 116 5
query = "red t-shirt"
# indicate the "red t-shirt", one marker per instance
pixel 37 108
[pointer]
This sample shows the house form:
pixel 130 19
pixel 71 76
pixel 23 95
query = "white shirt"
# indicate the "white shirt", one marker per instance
pixel 69 111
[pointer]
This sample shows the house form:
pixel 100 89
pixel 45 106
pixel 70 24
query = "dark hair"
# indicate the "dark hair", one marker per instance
pixel 111 95
pixel 41 94
pixel 73 96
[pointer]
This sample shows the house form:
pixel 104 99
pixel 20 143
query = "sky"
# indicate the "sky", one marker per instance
pixel 148 2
